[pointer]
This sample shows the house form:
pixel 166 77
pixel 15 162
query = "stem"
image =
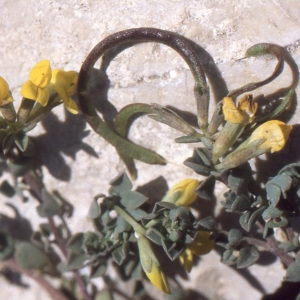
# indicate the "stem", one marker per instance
pixel 273 248
pixel 35 188
pixel 136 226
pixel 53 292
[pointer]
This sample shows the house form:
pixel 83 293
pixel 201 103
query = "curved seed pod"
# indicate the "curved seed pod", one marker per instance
pixel 128 38
pixel 258 50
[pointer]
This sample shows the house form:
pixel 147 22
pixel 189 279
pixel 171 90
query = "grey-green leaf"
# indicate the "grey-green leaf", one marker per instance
pixel 293 272
pixel 30 257
pixel 50 207
pixel 94 210
pixel 247 257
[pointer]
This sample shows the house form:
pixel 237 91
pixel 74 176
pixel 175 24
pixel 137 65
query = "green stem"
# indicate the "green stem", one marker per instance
pixel 135 225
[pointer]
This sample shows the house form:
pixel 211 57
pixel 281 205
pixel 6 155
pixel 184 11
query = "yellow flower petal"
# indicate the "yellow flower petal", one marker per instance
pixel 274 132
pixel 42 96
pixel 151 265
pixel 33 92
pixel 244 113
pixel 5 95
pixel 182 193
pixel 186 259
pixel 158 278
pixel 40 74
pixel 202 244
pixel 65 83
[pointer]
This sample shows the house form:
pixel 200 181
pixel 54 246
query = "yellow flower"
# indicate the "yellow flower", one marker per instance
pixel 36 87
pixel 244 113
pixel 236 120
pixel 151 265
pixel 5 95
pixel 182 193
pixel 200 246
pixel 64 84
pixel 274 134
pixel 271 136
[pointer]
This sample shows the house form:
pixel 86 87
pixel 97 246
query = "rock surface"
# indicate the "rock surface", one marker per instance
pixel 80 165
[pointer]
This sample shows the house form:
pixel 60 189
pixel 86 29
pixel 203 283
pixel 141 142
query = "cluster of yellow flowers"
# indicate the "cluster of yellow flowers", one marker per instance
pixel 270 136
pixel 44 83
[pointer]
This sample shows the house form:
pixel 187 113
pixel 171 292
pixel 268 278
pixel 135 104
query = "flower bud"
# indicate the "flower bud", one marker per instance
pixel 200 246
pixel 237 118
pixel 151 265
pixel 6 106
pixel 5 95
pixel 182 193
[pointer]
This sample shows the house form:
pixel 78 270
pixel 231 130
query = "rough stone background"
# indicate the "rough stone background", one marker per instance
pixel 81 165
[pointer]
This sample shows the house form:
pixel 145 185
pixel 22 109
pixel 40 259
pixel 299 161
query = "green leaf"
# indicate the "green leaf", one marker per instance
pixel 205 189
pixel 241 203
pixel 234 235
pixel 138 214
pixel 76 261
pixel 287 246
pixel 278 186
pixel 247 257
pixel 271 213
pixel 120 185
pixel 122 225
pixel 208 223
pixel 7 143
pixel 94 211
pixel 173 250
pixel 200 162
pixel 22 141
pixel 30 257
pixel 99 270
pixel 75 243
pixel 239 178
pixel 248 219
pixel 278 222
pixel 170 118
pixel 198 168
pixel 188 139
pixel 228 257
pixel 293 272
pixel 132 200
pixel 119 254
pixel 154 235
pixel 50 207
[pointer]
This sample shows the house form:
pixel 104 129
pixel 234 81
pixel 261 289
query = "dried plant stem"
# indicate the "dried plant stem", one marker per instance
pixel 35 189
pixel 271 245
